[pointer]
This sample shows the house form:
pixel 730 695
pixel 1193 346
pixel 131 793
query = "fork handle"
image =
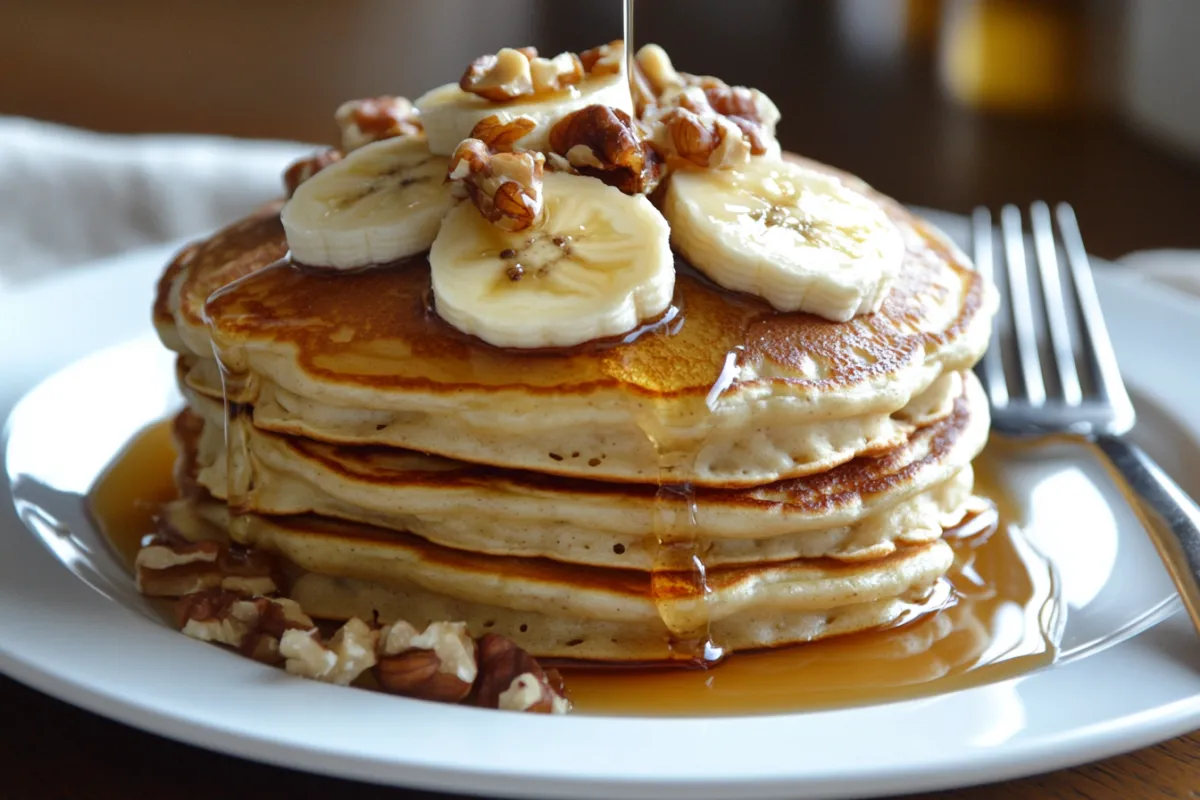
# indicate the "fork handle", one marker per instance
pixel 1178 538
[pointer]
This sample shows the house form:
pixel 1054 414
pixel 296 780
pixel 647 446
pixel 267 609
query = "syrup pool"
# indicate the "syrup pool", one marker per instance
pixel 992 618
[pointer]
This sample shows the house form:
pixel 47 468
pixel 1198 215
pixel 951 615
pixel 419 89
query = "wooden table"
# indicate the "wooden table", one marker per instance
pixel 889 124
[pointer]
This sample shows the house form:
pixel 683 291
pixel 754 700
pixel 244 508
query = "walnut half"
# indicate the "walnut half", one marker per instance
pixel 605 143
pixel 504 184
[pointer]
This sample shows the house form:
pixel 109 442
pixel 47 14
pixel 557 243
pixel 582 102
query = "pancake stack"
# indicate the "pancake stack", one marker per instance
pixel 725 476
pixel 409 472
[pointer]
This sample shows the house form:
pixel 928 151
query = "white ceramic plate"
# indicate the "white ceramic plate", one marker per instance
pixel 72 625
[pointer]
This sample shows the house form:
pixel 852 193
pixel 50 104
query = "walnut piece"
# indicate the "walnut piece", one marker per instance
pixel 749 109
pixel 520 72
pixel 656 66
pixel 253 626
pixel 169 565
pixel 505 185
pixel 607 59
pixel 372 119
pixel 606 143
pixel 511 679
pixel 500 77
pixel 350 653
pixel 304 168
pixel 501 136
pixel 709 141
pixel 437 664
pixel 530 693
pixel 555 74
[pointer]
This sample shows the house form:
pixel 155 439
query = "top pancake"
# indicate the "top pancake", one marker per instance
pixel 724 391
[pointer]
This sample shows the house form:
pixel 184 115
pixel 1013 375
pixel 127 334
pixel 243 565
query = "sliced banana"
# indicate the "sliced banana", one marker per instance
pixel 448 113
pixel 382 202
pixel 597 265
pixel 800 239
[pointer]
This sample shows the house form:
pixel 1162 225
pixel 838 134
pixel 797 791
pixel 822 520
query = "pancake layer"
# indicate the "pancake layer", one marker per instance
pixel 861 510
pixel 723 391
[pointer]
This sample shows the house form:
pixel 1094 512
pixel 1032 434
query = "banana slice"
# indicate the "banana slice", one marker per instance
pixel 800 239
pixel 382 202
pixel 599 264
pixel 448 113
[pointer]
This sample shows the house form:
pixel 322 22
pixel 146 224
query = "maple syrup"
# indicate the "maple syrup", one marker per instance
pixel 996 626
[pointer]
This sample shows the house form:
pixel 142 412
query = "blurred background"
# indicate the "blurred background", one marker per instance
pixel 943 103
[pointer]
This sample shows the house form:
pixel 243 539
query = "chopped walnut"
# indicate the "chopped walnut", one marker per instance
pixel 350 653
pixel 500 77
pixel 511 679
pixel 374 118
pixel 506 187
pixel 710 141
pixel 555 74
pixel 605 143
pixel 520 72
pixel 501 136
pixel 656 66
pixel 171 566
pixel 304 168
pixel 607 59
pixel 437 664
pixel 528 692
pixel 254 626
pixel 749 109
pixel 162 553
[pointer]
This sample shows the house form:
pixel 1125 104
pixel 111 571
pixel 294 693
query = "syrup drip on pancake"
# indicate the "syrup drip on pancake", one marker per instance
pixel 991 622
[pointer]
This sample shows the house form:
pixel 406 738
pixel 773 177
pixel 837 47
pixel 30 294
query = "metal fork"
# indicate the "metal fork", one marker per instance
pixel 1051 369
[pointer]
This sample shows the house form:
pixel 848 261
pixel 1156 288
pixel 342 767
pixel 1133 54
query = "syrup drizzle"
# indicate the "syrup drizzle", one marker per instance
pixel 994 617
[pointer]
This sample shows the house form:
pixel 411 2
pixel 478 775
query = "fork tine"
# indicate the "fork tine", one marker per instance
pixel 992 366
pixel 1056 310
pixel 1108 376
pixel 1022 305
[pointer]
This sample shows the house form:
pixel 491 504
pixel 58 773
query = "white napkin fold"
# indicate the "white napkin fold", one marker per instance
pixel 69 196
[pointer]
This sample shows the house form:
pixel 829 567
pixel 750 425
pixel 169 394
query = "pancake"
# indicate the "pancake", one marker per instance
pixel 722 391
pixel 573 611
pixel 205 266
pixel 861 510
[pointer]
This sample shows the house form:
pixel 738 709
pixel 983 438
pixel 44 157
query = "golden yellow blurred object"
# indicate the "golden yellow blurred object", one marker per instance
pixel 1013 55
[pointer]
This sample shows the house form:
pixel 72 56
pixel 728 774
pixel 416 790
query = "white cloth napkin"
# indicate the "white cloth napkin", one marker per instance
pixel 69 196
